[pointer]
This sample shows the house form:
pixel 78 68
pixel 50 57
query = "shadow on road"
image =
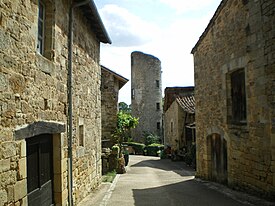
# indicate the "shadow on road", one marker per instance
pixel 178 167
pixel 185 193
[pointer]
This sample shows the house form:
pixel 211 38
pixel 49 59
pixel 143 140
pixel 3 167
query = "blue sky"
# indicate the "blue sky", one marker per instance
pixel 166 29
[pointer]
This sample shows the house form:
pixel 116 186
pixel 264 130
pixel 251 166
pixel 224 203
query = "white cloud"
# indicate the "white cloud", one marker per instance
pixel 182 6
pixel 172 43
pixel 125 28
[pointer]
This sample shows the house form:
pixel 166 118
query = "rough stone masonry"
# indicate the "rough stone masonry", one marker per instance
pixel 33 99
pixel 235 96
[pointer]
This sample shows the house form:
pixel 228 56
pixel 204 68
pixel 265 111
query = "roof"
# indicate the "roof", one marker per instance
pixel 210 24
pixel 90 12
pixel 187 103
pixel 122 80
pixel 171 93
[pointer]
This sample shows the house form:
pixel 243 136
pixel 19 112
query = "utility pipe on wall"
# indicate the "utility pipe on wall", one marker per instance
pixel 70 102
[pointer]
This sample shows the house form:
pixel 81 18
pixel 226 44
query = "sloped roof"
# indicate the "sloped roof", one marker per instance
pixel 171 93
pixel 122 80
pixel 187 103
pixel 90 12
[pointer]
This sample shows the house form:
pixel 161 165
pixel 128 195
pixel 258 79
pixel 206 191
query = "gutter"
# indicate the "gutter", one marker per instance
pixel 70 102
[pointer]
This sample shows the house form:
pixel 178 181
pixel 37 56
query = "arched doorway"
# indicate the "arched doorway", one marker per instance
pixel 218 158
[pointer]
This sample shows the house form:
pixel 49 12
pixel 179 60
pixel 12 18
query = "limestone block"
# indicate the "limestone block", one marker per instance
pixel 8 149
pixel 17 83
pixel 3 82
pixel 10 191
pixel 4 165
pixel 24 201
pixel 22 168
pixel 7 178
pixel 3 197
pixel 23 147
pixel 20 189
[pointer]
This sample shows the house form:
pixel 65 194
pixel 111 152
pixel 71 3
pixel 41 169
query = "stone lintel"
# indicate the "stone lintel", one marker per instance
pixel 37 128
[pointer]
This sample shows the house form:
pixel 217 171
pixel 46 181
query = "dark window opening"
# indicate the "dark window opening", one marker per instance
pixel 41 28
pixel 81 135
pixel 133 94
pixel 158 125
pixel 158 106
pixel 157 83
pixel 172 127
pixel 238 96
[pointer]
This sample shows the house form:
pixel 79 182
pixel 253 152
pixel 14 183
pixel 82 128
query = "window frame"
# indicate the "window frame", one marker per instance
pixel 41 37
pixel 238 98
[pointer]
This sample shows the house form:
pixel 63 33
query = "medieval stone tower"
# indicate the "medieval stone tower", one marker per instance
pixel 146 94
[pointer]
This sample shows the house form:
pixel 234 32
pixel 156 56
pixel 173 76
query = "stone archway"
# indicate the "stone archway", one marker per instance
pixel 217 147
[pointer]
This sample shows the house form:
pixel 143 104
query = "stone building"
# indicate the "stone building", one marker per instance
pixel 234 63
pixel 146 94
pixel 179 118
pixel 44 160
pixel 111 83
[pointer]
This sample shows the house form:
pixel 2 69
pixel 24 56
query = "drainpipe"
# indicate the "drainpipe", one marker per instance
pixel 70 101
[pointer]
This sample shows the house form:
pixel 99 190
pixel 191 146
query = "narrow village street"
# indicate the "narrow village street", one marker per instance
pixel 152 181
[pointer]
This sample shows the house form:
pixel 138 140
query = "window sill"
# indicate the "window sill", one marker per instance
pixel 44 64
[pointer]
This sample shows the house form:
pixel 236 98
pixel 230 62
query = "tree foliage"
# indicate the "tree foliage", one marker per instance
pixel 125 122
pixel 150 138
pixel 123 107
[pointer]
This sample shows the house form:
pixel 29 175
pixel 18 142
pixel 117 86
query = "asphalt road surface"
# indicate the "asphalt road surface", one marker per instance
pixel 150 181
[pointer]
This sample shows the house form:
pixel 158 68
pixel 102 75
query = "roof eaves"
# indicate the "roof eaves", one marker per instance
pixel 122 80
pixel 93 16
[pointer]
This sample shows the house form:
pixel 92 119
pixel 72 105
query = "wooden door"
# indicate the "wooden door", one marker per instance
pixel 218 158
pixel 40 170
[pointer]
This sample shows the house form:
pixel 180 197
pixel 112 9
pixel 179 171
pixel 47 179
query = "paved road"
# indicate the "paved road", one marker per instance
pixel 150 181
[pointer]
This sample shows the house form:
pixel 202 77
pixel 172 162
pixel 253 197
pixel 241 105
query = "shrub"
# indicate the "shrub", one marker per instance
pixel 109 177
pixel 153 149
pixel 150 138
pixel 138 147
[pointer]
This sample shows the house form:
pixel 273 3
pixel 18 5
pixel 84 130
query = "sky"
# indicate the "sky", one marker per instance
pixel 166 29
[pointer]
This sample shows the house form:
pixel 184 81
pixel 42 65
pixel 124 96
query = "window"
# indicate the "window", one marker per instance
pixel 133 93
pixel 157 83
pixel 172 127
pixel 158 125
pixel 46 28
pixel 81 135
pixel 41 28
pixel 158 106
pixel 238 96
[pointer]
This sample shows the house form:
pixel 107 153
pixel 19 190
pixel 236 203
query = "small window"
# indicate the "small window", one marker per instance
pixel 41 28
pixel 158 125
pixel 158 106
pixel 238 96
pixel 172 127
pixel 133 94
pixel 81 135
pixel 157 83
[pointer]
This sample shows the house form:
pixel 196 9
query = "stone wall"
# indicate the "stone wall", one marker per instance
pixel 34 88
pixel 240 35
pixel 109 103
pixel 146 94
pixel 173 126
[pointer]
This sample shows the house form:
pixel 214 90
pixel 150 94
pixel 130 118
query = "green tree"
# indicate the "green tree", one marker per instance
pixel 123 107
pixel 125 122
